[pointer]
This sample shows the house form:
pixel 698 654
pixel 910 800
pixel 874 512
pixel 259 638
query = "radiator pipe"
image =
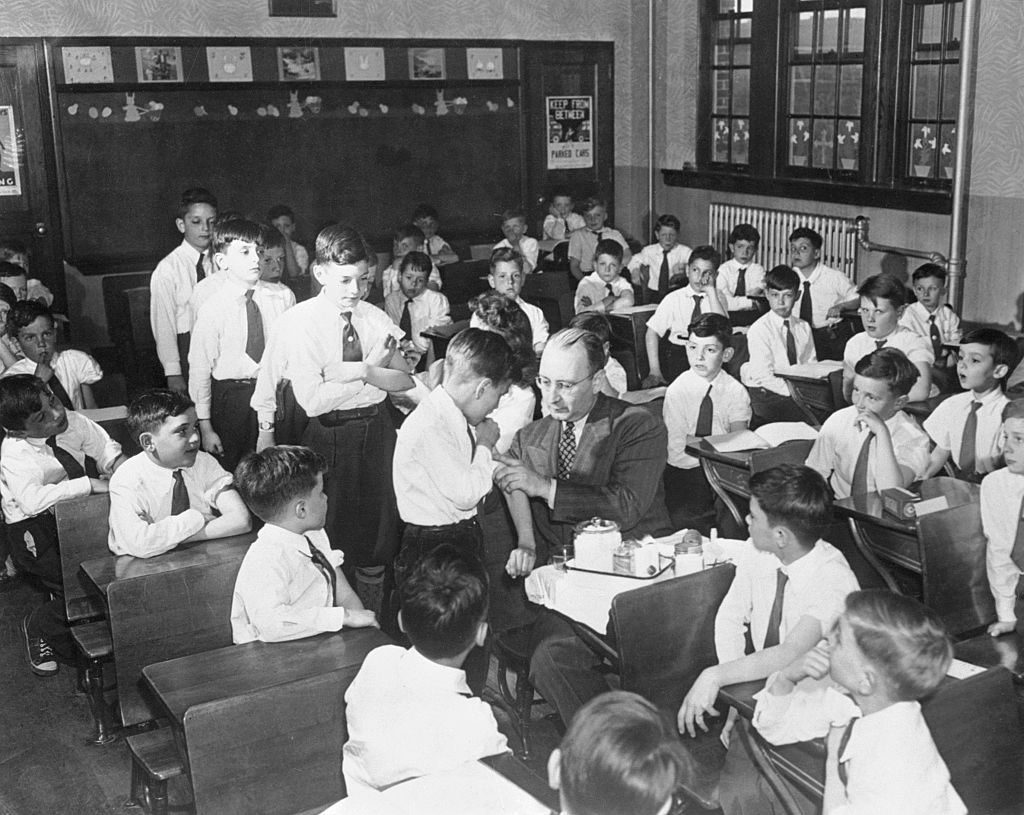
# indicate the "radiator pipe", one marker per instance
pixel 865 242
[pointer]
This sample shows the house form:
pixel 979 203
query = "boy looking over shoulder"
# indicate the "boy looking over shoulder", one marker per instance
pixel 174 278
pixel 872 444
pixel 172 491
pixel 605 289
pixel 861 690
pixel 409 711
pixel 967 426
pixel 290 584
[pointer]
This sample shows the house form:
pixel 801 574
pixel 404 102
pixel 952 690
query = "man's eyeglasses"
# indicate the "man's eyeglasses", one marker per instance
pixel 558 386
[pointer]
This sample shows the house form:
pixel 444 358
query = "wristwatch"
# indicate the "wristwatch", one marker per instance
pixel 266 426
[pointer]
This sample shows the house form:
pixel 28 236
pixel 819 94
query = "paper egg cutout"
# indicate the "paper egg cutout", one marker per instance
pixel 232 110
pixel 73 109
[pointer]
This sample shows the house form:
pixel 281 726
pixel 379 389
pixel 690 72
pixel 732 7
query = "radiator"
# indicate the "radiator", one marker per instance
pixel 839 249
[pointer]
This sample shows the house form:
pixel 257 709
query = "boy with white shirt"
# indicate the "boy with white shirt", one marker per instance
pixel 583 242
pixel 272 260
pixel 776 341
pixel 513 227
pixel 290 584
pixel 739 278
pixel 662 265
pixel 408 238
pixel 825 291
pixel 414 307
pixel 604 289
pixel 506 277
pixel 930 317
pixel 427 219
pixel 561 220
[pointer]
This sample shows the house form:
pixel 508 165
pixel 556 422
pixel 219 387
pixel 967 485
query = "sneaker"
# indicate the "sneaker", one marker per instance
pixel 40 656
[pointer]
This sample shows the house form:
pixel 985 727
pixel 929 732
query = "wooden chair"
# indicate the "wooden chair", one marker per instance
pixel 442 335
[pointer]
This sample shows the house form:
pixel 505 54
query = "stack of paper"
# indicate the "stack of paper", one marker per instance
pixel 769 435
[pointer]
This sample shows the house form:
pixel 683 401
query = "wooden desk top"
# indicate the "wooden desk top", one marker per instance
pixel 516 771
pixel 741 696
pixel 990 652
pixel 105 570
pixel 702 449
pixel 238 669
pixel 868 509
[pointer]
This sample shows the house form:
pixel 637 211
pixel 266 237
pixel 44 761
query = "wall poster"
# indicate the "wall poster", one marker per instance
pixel 10 174
pixel 570 132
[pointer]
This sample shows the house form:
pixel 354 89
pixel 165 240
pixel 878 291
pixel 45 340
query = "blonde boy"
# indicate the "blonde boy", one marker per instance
pixel 506 277
pixel 583 242
pixel 513 227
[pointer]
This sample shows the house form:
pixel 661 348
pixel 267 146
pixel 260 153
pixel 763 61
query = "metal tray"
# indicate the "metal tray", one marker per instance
pixel 668 563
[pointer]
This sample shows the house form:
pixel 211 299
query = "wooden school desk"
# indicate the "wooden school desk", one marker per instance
pixel 629 327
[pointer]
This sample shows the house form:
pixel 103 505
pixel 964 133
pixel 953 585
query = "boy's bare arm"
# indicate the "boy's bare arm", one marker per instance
pixel 233 520
pixel 655 377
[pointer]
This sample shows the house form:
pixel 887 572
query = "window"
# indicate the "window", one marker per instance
pixel 852 94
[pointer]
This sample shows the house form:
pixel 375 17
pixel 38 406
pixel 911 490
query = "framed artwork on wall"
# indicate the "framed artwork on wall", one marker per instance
pixel 158 63
pixel 426 63
pixel 296 63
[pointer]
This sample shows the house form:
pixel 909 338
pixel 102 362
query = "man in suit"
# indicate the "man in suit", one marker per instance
pixel 591 456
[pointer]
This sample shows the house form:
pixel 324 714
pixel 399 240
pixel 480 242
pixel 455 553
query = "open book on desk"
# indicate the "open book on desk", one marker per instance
pixel 811 370
pixel 766 436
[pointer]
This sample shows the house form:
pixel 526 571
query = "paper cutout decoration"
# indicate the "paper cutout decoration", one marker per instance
pixel 364 64
pixel 158 63
pixel 73 109
pixel 313 104
pixel 87 63
pixel 484 63
pixel 229 63
pixel 294 108
pixel 232 110
pixel 132 112
pixel 298 64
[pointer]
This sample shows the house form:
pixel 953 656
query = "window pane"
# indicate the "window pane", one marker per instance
pixel 724 31
pixel 726 6
pixel 803 35
pixel 722 136
pixel 741 92
pixel 741 55
pixel 929 27
pixel 746 5
pixel 848 146
pixel 825 90
pixel 855 32
pixel 925 81
pixel 824 143
pixel 722 53
pixel 923 142
pixel 850 84
pixel 830 33
pixel 947 144
pixel 720 101
pixel 744 32
pixel 799 142
pixel 950 89
pixel 800 90
pixel 957 28
pixel 741 141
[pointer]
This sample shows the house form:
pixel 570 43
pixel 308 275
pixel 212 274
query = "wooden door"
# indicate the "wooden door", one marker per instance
pixel 568 71
pixel 28 202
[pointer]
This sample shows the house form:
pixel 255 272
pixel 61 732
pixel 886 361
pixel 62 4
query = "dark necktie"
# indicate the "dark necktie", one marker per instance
pixel 741 283
pixel 705 416
pixel 968 453
pixel 663 275
pixel 324 565
pixel 859 484
pixel 254 340
pixel 936 337
pixel 65 459
pixel 351 348
pixel 879 344
pixel 844 773
pixel 472 443
pixel 405 321
pixel 806 310
pixel 179 495
pixel 790 344
pixel 697 310
pixel 771 634
pixel 57 389
pixel 597 233
pixel 200 269
pixel 1017 553
pixel 566 450
pixel 611 291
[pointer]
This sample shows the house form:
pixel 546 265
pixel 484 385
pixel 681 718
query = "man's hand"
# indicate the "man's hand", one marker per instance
pixel 488 433
pixel 381 357
pixel 176 383
pixel 652 381
pixel 700 701
pixel 512 474
pixel 1001 627
pixel 360 618
pixel 521 562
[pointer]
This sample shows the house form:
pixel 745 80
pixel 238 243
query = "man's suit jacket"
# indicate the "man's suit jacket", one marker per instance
pixel 616 474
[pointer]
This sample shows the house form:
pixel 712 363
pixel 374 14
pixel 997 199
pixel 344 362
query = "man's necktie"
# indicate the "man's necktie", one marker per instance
pixel 566 450
pixel 200 268
pixel 806 310
pixel 879 344
pixel 771 634
pixel 705 416
pixel 57 389
pixel 936 337
pixel 405 322
pixel 65 459
pixel 968 452
pixel 859 484
pixel 663 275
pixel 179 495
pixel 697 310
pixel 324 565
pixel 790 344
pixel 351 348
pixel 844 773
pixel 254 340
pixel 741 283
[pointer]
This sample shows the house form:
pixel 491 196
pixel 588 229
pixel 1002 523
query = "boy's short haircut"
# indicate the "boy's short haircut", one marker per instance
pixel 560 192
pixel 506 254
pixel 806 232
pixel 594 322
pixel 269 481
pixel 892 367
pixel 271 237
pixel 24 313
pixel 619 755
pixel 12 246
pixel 513 212
pixel 192 196
pixel 607 246
pixel 1014 409
pixel 782 278
pixel 235 229
pixel 591 343
pixel 796 497
pixel 905 641
pixel 280 211
pixel 340 244
pixel 885 287
pixel 409 231
pixel 7 294
pixel 670 221
pixel 424 211
pixel 419 261
pixel 9 269
pixel 149 410
pixel 712 325
pixel 485 353
pixel 704 252
pixel 594 201
pixel 929 270
pixel 745 232
pixel 1002 347
pixel 503 315
pixel 444 600
pixel 21 395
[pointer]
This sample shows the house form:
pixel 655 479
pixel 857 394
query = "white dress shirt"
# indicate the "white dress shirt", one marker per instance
pixel 728 276
pixel 596 289
pixel 528 248
pixel 915 318
pixel 837 447
pixel 583 244
pixel 73 369
pixel 675 313
pixel 435 245
pixel 538 322
pixel 817 587
pixel 616 375
pixel 439 476
pixel 301 256
pixel 829 287
pixel 916 347
pixel 141 492
pixel 170 312
pixel 408 716
pixel 389 277
pixel 946 426
pixel 429 309
pixel 31 478
pixel 730 402
pixel 1001 495
pixel 280 594
pixel 766 343
pixel 651 257
pixel 205 289
pixel 558 229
